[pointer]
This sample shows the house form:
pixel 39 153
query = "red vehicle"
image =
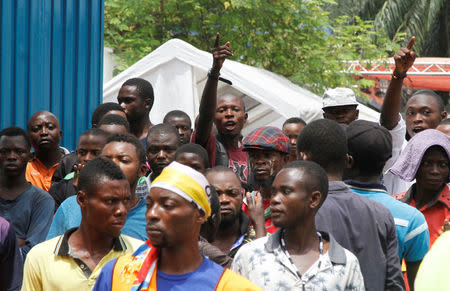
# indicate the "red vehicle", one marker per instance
pixel 426 73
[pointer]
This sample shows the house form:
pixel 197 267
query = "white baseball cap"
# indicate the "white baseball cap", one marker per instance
pixel 339 97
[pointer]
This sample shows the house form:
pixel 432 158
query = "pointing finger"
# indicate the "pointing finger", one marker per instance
pixel 411 42
pixel 217 42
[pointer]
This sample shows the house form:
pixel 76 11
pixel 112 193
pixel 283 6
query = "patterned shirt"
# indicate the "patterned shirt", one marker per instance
pixel 265 263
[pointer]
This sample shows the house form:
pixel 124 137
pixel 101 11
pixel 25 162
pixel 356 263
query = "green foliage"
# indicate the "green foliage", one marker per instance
pixel 294 38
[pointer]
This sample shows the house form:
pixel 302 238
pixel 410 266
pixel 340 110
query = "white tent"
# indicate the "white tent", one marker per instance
pixel 177 71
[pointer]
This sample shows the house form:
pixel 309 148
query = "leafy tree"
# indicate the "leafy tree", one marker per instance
pixel 294 38
pixel 428 20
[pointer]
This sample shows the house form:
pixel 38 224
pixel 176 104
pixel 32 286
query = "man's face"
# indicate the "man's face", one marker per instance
pixel 265 165
pixel 14 155
pixel 132 103
pixel 292 130
pixel 230 116
pixel 444 128
pixel 107 208
pixel 290 202
pixel 228 188
pixel 341 114
pixel 171 219
pixel 192 160
pixel 89 147
pixel 422 112
pixel 434 170
pixel 161 148
pixel 44 130
pixel 125 156
pixel 183 125
pixel 113 128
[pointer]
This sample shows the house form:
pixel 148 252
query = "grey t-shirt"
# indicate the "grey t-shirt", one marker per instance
pixel 30 214
pixel 367 229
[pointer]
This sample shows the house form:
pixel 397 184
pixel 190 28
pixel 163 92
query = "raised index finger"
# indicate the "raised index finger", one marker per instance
pixel 411 42
pixel 217 42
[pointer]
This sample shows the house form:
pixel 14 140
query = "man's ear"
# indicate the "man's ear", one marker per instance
pixel 148 103
pixel 349 161
pixel 201 217
pixel 357 114
pixel 142 170
pixel 443 115
pixel 303 156
pixel 82 198
pixel 314 200
pixel 245 117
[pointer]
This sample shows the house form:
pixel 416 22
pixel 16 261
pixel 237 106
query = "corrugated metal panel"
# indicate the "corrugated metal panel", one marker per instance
pixel 51 59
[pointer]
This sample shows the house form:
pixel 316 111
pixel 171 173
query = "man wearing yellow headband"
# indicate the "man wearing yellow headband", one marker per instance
pixel 177 205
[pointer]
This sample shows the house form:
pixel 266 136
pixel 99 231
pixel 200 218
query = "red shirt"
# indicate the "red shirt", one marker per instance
pixel 237 159
pixel 270 228
pixel 435 212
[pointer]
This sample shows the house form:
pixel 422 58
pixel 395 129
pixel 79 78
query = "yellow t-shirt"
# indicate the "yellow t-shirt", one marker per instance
pixel 434 271
pixel 50 267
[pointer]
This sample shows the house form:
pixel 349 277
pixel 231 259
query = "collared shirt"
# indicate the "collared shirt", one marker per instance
pixel 30 214
pixel 435 212
pixel 38 174
pixel 366 228
pixel 265 263
pixel 246 234
pixel 412 229
pixel 51 265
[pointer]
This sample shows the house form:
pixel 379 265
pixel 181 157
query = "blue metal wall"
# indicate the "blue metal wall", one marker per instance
pixel 51 59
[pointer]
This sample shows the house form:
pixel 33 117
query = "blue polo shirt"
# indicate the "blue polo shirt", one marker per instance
pixel 68 216
pixel 412 229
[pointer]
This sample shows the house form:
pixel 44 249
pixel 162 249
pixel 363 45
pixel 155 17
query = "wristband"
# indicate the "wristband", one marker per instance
pixel 213 76
pixel 396 77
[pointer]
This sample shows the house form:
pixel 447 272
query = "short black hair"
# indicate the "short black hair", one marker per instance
pixel 317 177
pixel 102 109
pixel 176 113
pixel 143 87
pixel 194 148
pixel 221 169
pixel 432 94
pixel 445 121
pixel 163 128
pixel 326 143
pixel 296 120
pixel 131 139
pixel 16 131
pixel 96 170
pixel 114 119
pixel 94 132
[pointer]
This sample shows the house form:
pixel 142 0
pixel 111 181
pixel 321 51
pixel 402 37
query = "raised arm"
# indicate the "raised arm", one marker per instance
pixel 209 96
pixel 404 59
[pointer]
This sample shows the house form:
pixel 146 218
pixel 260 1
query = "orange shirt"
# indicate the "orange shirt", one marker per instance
pixel 435 212
pixel 38 174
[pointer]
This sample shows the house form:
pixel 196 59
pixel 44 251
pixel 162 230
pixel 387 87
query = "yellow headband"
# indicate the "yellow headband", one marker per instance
pixel 186 182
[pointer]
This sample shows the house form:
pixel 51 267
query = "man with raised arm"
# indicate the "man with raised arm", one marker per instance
pixel 425 109
pixel 228 114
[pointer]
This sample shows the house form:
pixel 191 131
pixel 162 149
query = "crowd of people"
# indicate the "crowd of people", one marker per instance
pixel 335 204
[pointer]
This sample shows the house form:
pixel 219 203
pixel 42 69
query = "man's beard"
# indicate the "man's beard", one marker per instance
pixel 264 184
pixel 226 222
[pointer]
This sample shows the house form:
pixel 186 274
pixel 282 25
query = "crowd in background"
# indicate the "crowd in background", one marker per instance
pixel 336 204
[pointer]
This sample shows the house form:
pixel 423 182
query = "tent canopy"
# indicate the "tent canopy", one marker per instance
pixel 178 72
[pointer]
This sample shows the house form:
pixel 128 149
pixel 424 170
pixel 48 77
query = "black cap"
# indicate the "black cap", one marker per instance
pixel 368 142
